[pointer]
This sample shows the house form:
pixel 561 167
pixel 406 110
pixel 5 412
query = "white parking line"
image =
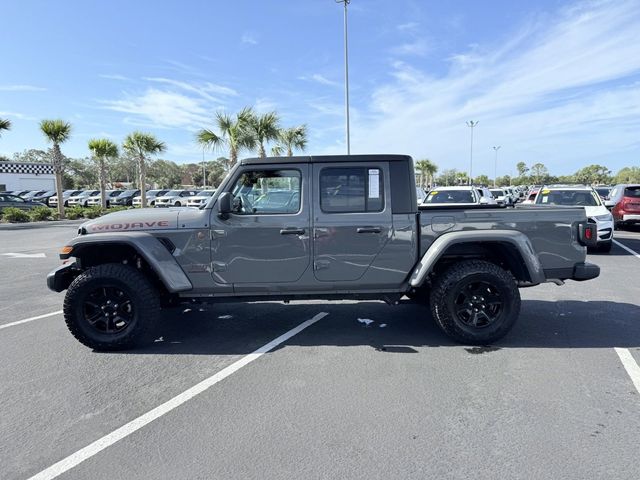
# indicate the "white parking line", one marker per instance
pixel 20 322
pixel 92 449
pixel 632 252
pixel 630 365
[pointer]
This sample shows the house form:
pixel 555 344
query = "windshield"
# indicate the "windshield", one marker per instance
pixel 126 193
pixel 173 193
pixel 450 196
pixel 578 198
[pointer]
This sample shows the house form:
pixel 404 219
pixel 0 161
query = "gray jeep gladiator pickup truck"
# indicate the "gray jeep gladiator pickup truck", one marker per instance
pixel 327 227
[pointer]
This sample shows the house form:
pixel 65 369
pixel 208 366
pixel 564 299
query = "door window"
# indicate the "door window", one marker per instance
pixel 351 190
pixel 267 192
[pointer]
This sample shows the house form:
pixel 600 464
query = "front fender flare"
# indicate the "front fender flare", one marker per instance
pixel 147 246
pixel 513 237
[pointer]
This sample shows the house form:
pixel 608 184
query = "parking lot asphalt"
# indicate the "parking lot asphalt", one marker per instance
pixel 367 391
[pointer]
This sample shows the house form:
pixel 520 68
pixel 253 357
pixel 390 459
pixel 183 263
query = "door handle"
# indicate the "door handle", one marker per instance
pixel 292 231
pixel 369 230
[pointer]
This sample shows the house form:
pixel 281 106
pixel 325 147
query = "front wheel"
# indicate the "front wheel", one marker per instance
pixel 177 204
pixel 475 302
pixel 110 307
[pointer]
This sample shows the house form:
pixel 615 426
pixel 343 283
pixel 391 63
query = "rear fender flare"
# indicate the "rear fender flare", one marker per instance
pixel 517 239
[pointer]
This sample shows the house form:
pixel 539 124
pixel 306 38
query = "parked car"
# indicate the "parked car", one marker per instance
pixel 603 192
pixel 531 196
pixel 420 194
pixel 460 196
pixel 175 198
pixel 31 194
pixel 582 196
pixel 151 195
pixel 8 200
pixel 44 197
pixel 82 198
pixel 125 199
pixel 96 200
pixel 624 201
pixel 200 199
pixel 501 196
pixel 66 195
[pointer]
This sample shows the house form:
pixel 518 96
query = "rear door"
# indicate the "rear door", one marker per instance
pixel 352 218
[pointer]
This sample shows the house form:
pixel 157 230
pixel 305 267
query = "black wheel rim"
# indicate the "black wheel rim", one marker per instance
pixel 477 304
pixel 108 310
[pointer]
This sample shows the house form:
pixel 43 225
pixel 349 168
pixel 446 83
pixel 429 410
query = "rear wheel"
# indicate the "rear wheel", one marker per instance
pixel 475 302
pixel 110 307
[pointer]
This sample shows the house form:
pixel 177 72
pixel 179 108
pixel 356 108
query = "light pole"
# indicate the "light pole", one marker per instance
pixel 204 171
pixel 346 73
pixel 471 124
pixel 495 165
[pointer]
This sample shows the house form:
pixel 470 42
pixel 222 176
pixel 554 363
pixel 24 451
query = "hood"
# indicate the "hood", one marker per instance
pixel 147 219
pixel 596 211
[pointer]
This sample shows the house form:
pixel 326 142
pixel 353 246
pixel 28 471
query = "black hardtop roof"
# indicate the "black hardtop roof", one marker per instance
pixel 327 159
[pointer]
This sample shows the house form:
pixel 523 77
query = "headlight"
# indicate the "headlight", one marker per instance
pixel 607 217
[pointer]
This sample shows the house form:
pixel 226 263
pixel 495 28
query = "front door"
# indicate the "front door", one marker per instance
pixel 352 218
pixel 266 238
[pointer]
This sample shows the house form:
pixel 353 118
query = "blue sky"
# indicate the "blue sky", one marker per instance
pixel 549 81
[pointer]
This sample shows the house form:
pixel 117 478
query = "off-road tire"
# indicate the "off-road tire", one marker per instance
pixel 447 286
pixel 144 298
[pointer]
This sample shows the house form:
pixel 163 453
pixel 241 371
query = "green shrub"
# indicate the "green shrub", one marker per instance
pixel 40 214
pixel 73 213
pixel 12 214
pixel 93 212
pixel 117 209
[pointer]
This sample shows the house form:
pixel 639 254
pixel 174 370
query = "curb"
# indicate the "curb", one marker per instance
pixel 45 224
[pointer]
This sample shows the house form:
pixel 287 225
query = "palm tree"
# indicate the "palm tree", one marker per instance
pixel 103 150
pixel 57 132
pixel 264 128
pixel 234 134
pixel 290 139
pixel 139 145
pixel 427 170
pixel 4 125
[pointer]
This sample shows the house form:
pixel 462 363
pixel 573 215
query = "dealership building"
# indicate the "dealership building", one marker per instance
pixel 26 176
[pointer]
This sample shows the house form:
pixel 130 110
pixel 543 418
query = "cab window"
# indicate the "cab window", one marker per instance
pixel 351 190
pixel 267 192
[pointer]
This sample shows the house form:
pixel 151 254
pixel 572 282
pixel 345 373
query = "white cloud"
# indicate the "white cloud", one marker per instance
pixel 20 116
pixel 558 91
pixel 204 90
pixel 408 27
pixel 162 109
pixel 248 39
pixel 21 88
pixel 113 76
pixel 417 47
pixel 316 77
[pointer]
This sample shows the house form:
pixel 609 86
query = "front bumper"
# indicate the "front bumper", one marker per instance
pixel 60 278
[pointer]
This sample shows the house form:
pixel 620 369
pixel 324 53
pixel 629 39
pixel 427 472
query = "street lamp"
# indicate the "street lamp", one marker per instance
pixel 204 172
pixel 495 165
pixel 471 124
pixel 346 73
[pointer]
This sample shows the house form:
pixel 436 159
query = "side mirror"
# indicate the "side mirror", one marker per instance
pixel 224 205
pixel 484 201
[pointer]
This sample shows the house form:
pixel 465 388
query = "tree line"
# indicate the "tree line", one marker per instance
pixel 133 159
pixel 536 174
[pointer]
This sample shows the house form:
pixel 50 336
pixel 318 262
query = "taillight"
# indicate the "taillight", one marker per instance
pixel 588 234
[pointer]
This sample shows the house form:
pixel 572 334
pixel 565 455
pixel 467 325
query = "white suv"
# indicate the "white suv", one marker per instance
pixel 175 198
